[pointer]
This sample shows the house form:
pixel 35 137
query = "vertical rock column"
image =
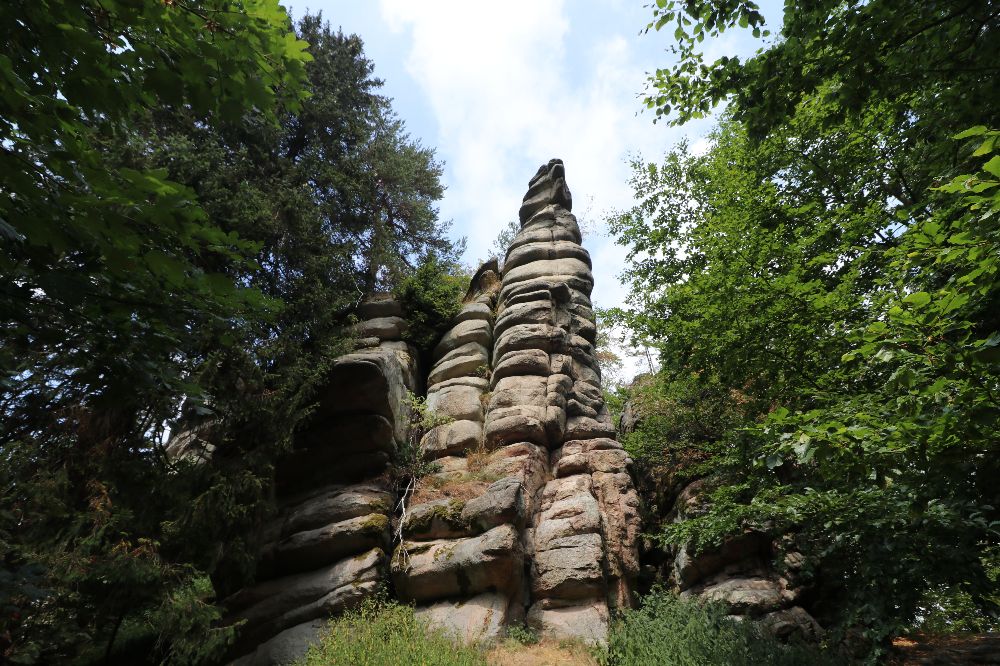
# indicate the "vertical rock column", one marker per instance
pixel 546 405
pixel 461 557
pixel 326 549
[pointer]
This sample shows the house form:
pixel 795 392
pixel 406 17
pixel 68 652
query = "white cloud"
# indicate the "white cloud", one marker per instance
pixel 498 79
pixel 508 95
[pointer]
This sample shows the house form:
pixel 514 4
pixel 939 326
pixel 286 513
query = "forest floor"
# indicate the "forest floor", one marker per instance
pixel 919 650
pixel 969 649
pixel 511 653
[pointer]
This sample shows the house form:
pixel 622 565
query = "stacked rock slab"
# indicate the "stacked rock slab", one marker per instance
pixel 532 514
pixel 580 540
pixel 326 549
pixel 743 572
pixel 461 558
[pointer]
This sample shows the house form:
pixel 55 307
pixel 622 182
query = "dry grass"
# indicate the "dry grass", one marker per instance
pixel 469 485
pixel 432 488
pixel 564 653
pixel 479 465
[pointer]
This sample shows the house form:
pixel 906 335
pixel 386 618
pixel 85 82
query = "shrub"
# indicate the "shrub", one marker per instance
pixel 423 418
pixel 385 633
pixel 670 630
pixel 431 298
pixel 522 634
pixel 947 610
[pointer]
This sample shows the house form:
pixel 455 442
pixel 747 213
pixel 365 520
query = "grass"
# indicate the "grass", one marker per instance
pixel 664 630
pixel 385 633
pixel 469 485
pixel 460 489
pixel 382 632
pixel 479 465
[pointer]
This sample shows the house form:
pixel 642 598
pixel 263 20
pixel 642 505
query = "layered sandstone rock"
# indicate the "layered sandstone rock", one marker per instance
pixel 533 514
pixel 742 572
pixel 461 558
pixel 580 541
pixel 530 514
pixel 327 548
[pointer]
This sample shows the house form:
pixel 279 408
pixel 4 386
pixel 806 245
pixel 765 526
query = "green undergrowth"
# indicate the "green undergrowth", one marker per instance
pixel 663 630
pixel 669 630
pixel 384 633
pixel 522 634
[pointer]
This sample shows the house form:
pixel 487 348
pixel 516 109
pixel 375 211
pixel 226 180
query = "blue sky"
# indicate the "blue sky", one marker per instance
pixel 499 88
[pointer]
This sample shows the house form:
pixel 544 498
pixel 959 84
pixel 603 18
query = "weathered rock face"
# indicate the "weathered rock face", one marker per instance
pixel 531 514
pixel 581 539
pixel 327 548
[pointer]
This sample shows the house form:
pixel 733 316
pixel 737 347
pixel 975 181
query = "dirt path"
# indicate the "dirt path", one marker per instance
pixel 542 654
pixel 968 649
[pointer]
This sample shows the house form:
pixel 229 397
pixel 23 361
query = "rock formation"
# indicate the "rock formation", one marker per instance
pixel 741 573
pixel 530 514
pixel 547 401
pixel 533 515
pixel 327 548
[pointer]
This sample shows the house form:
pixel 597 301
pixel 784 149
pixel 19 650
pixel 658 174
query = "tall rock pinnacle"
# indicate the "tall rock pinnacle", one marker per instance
pixel 530 514
pixel 547 394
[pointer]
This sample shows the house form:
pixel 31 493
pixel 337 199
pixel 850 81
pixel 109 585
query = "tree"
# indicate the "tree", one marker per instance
pixel 811 266
pixel 501 243
pixel 91 250
pixel 375 186
pixel 934 58
pixel 110 276
pixel 201 269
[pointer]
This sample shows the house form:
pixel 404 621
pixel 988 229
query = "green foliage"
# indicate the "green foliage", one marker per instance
pixel 498 249
pixel 523 634
pixel 184 233
pixel 373 185
pixel 431 298
pixel 384 633
pixel 948 611
pixel 410 463
pixel 423 417
pixel 114 279
pixel 830 263
pixel 188 625
pixel 934 58
pixel 683 422
pixel 93 248
pixel 608 360
pixel 677 429
pixel 842 363
pixel 669 630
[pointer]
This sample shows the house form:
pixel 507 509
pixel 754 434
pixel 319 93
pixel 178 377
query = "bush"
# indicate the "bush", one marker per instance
pixel 946 610
pixel 522 634
pixel 431 298
pixel 669 630
pixel 385 633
